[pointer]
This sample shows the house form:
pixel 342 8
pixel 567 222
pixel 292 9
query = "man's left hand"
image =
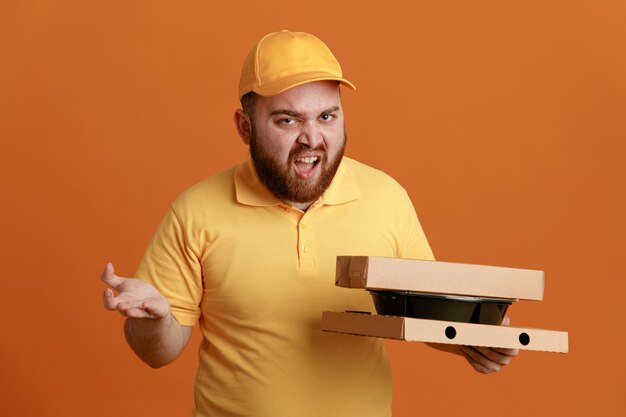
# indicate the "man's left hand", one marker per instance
pixel 488 360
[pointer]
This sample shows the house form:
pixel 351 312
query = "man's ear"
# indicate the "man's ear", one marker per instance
pixel 243 125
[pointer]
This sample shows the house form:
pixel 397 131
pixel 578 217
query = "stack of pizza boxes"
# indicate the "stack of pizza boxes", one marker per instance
pixel 441 302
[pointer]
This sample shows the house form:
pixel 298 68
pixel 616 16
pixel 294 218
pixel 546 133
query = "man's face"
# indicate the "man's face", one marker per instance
pixel 298 140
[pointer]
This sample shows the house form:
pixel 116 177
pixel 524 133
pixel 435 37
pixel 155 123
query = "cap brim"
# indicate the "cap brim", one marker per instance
pixel 278 86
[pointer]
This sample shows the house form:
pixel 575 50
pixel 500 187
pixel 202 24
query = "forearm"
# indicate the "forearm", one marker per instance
pixel 157 342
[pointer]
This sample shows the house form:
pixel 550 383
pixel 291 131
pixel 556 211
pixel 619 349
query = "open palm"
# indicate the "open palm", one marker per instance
pixel 136 298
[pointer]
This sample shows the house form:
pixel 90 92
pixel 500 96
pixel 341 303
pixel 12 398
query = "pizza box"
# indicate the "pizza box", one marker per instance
pixel 448 332
pixel 435 277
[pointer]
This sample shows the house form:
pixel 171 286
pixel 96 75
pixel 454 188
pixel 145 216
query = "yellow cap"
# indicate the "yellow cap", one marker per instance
pixel 282 60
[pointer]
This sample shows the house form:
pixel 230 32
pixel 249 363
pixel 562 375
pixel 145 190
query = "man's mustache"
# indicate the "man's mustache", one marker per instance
pixel 301 150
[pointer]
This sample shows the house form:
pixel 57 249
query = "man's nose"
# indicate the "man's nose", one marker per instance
pixel 310 134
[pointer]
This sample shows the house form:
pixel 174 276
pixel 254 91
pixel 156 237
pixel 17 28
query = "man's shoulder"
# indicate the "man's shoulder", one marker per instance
pixel 369 177
pixel 215 190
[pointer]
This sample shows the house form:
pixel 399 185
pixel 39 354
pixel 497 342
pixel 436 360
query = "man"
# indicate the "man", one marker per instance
pixel 250 255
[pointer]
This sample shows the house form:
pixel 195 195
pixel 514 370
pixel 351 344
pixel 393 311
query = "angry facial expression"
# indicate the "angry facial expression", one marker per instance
pixel 298 140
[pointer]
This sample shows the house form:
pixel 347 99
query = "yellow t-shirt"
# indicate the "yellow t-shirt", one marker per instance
pixel 257 274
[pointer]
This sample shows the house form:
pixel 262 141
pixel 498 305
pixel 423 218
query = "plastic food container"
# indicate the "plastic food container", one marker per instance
pixel 441 307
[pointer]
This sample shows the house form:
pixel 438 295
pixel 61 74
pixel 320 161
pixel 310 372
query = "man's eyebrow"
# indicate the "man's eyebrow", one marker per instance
pixel 285 112
pixel 293 113
pixel 330 110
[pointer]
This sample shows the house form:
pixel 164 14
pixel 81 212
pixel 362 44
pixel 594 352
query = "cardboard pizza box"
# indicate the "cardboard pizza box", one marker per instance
pixel 448 332
pixel 434 277
pixel 441 302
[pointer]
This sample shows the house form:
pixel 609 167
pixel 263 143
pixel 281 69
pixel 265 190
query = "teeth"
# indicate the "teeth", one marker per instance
pixel 308 159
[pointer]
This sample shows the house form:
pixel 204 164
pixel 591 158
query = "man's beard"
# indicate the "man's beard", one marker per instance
pixel 280 179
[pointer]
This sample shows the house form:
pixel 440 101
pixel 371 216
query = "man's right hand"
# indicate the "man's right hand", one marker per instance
pixel 136 298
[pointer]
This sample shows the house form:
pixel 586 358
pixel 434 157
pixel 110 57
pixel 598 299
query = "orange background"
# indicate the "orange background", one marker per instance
pixel 504 121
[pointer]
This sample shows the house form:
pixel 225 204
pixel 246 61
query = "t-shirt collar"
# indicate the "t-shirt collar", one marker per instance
pixel 252 192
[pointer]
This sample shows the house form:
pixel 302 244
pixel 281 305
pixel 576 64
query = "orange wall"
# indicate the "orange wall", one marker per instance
pixel 504 120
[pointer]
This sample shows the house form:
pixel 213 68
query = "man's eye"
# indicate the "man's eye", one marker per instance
pixel 286 121
pixel 327 117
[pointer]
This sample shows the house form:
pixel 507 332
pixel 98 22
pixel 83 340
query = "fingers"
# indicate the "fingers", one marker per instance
pixel 501 357
pixel 108 276
pixel 488 360
pixel 139 309
pixel 478 361
pixel 474 359
pixel 135 298
pixel 508 352
pixel 133 309
pixel 119 303
pixel 109 300
pixel 156 308
pixel 136 313
pixel 124 303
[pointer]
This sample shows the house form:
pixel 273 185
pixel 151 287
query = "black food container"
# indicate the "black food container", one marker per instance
pixel 441 307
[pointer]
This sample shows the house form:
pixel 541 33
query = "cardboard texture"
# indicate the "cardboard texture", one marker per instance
pixel 448 332
pixel 436 277
pixel 444 278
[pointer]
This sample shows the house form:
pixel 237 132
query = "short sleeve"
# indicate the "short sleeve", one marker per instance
pixel 172 265
pixel 413 243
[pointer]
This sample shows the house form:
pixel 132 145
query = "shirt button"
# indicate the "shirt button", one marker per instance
pixel 304 248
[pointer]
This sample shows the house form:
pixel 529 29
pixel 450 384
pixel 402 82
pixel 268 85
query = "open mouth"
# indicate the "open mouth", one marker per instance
pixel 306 166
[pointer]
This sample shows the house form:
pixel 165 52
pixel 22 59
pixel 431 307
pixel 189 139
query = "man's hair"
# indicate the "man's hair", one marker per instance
pixel 248 104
